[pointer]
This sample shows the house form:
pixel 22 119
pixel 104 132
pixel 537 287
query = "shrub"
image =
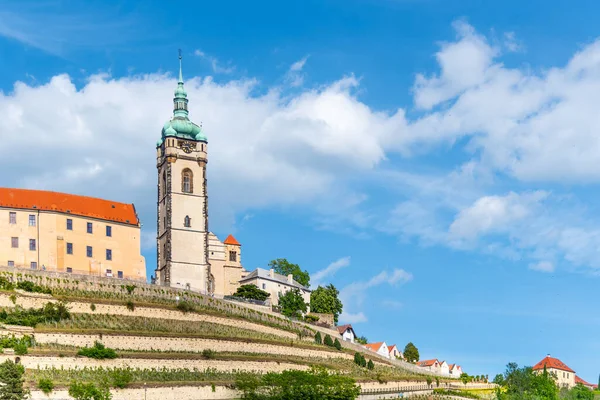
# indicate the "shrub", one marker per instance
pixel 328 341
pixel 45 385
pixel 29 286
pixel 121 378
pixel 185 306
pixel 20 349
pixel 130 288
pixel 93 307
pixel 98 351
pixel 311 318
pixel 130 306
pixel 337 344
pixel 88 391
pixel 5 284
pixel 13 298
pixel 370 365
pixel 209 354
pixel 318 339
pixel 51 312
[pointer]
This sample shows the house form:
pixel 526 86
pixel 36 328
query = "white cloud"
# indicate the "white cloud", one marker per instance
pixel 298 65
pixel 295 76
pixel 216 66
pixel 330 270
pixel 353 318
pixel 353 295
pixel 542 266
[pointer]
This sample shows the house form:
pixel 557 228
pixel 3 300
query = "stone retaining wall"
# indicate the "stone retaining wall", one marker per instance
pixel 191 345
pixel 153 393
pixel 42 362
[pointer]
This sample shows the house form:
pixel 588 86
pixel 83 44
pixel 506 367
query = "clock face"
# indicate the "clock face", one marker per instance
pixel 188 147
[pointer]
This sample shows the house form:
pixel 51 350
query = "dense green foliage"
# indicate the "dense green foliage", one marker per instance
pixel 328 341
pixel 45 385
pixel 185 306
pixel 29 286
pixel 359 359
pixel 284 267
pixel 326 300
pixel 12 342
pixel 292 304
pixel 370 365
pixel 51 312
pixel 317 384
pixel 251 292
pixel 579 392
pixel 11 381
pixel 88 391
pixel 456 393
pixel 98 351
pixel 411 353
pixel 362 340
pixel 337 344
pixel 524 384
pixel 5 284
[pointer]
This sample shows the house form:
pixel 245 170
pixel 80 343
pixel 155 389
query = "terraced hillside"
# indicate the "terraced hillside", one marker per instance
pixel 155 342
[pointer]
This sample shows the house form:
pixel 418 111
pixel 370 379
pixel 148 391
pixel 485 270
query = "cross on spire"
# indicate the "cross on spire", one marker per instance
pixel 180 72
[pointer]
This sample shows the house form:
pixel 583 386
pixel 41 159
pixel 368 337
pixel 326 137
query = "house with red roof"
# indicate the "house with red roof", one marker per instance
pixel 432 365
pixel 394 352
pixel 347 333
pixel 380 348
pixel 225 264
pixel 454 370
pixel 444 368
pixel 565 376
pixel 579 381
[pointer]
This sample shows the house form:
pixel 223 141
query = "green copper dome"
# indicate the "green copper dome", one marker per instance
pixel 180 125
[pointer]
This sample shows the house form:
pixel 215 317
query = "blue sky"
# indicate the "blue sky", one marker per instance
pixel 436 160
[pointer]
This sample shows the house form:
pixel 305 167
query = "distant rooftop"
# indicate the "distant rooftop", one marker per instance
pixel 266 274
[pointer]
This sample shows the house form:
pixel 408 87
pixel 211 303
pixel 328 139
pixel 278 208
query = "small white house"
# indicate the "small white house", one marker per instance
pixel 454 370
pixel 347 333
pixel 429 365
pixel 444 369
pixel 394 352
pixel 380 348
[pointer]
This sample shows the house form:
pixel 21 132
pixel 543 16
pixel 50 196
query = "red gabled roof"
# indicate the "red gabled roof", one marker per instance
pixel 231 240
pixel 374 346
pixel 391 347
pixel 342 328
pixel 72 204
pixel 584 383
pixel 550 362
pixel 427 363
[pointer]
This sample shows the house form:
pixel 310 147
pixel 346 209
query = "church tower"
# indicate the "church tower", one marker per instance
pixel 182 226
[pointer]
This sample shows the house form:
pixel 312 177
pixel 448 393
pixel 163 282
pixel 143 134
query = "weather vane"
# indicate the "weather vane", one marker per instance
pixel 180 54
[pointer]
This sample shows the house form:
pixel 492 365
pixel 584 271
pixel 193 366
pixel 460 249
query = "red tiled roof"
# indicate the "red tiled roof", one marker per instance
pixel 68 204
pixel 231 240
pixel 390 348
pixel 551 362
pixel 374 346
pixel 342 328
pixel 427 363
pixel 584 383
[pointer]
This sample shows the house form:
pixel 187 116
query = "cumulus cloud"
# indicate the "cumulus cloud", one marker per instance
pixel 216 66
pixel 295 76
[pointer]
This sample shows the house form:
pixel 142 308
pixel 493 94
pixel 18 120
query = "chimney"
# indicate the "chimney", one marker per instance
pixel 272 273
pixel 290 278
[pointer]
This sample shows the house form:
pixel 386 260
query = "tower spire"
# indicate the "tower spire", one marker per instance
pixel 180 69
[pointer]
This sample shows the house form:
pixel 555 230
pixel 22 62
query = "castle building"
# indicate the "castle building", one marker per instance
pixel 189 256
pixel 68 233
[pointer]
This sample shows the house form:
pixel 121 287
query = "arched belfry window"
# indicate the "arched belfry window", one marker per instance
pixel 187 181
pixel 164 183
pixel 187 221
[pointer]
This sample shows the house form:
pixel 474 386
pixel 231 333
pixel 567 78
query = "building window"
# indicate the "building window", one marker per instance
pixel 90 228
pixel 187 181
pixel 32 244
pixel 120 274
pixel 11 263
pixel 12 217
pixel 33 265
pixel 31 220
pixel 14 242
pixel 108 230
pixel 232 256
pixel 264 286
pixel 69 248
pixel 89 251
pixel 187 221
pixel 69 270
pixel 109 272
pixel 108 254
pixel 69 224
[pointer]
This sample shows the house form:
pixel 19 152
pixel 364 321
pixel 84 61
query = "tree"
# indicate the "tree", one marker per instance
pixel 318 339
pixel 292 304
pixel 411 353
pixel 370 365
pixel 362 340
pixel 88 391
pixel 337 344
pixel 251 292
pixel 465 378
pixel 328 341
pixel 284 267
pixel 326 300
pixel 524 384
pixel 429 380
pixel 11 381
pixel 499 379
pixel 579 392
